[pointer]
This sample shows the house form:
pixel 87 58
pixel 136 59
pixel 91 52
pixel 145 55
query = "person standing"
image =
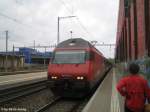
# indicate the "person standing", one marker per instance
pixel 135 90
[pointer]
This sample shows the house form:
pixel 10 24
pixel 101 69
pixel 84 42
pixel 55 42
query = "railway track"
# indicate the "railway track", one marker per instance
pixel 11 94
pixel 60 104
pixel 56 104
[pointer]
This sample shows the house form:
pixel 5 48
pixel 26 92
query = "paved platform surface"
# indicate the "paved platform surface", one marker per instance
pixel 21 79
pixel 106 98
pixel 21 72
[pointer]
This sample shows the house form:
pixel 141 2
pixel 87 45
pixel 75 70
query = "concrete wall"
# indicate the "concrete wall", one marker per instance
pixel 13 62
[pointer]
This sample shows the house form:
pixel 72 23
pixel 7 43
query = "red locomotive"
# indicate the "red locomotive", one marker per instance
pixel 76 66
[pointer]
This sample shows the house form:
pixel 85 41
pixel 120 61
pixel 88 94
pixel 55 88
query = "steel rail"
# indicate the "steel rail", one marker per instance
pixel 20 91
pixel 48 105
pixel 75 107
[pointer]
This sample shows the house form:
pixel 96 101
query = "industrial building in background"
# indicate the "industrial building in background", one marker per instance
pixel 133 34
pixel 14 61
pixel 32 56
pixel 25 57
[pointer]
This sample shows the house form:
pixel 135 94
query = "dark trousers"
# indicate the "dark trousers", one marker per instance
pixel 127 110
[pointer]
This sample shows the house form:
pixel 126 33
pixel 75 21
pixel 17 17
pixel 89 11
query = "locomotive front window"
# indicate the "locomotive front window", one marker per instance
pixel 69 57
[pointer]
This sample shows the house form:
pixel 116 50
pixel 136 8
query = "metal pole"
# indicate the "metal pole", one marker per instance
pixel 13 57
pixel 6 51
pixel 71 34
pixel 58 38
pixel 58 30
pixel 34 44
pixel 45 58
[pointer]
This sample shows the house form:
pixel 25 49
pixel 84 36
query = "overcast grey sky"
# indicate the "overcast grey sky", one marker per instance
pixel 29 20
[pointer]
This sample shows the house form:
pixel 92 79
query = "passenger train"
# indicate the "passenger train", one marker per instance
pixel 76 67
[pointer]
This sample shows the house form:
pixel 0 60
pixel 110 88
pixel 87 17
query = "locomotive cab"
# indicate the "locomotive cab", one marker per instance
pixel 76 67
pixel 68 70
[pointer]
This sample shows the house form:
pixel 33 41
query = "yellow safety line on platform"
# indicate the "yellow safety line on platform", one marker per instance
pixel 115 107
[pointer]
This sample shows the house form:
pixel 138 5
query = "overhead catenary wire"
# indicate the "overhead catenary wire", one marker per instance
pixel 13 19
pixel 63 3
pixel 37 46
pixel 51 45
pixel 77 18
pixel 81 24
pixel 19 22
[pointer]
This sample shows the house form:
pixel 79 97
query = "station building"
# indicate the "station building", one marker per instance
pixel 32 56
pixel 23 58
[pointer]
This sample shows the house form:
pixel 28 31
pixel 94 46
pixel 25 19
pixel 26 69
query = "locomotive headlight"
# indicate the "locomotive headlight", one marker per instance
pixel 54 77
pixel 80 77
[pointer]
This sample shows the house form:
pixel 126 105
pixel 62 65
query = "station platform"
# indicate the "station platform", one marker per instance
pixel 106 98
pixel 21 79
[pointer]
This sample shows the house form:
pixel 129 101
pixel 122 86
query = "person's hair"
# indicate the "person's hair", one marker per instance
pixel 134 68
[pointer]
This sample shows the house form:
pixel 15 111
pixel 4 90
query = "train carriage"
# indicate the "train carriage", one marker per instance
pixel 76 67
